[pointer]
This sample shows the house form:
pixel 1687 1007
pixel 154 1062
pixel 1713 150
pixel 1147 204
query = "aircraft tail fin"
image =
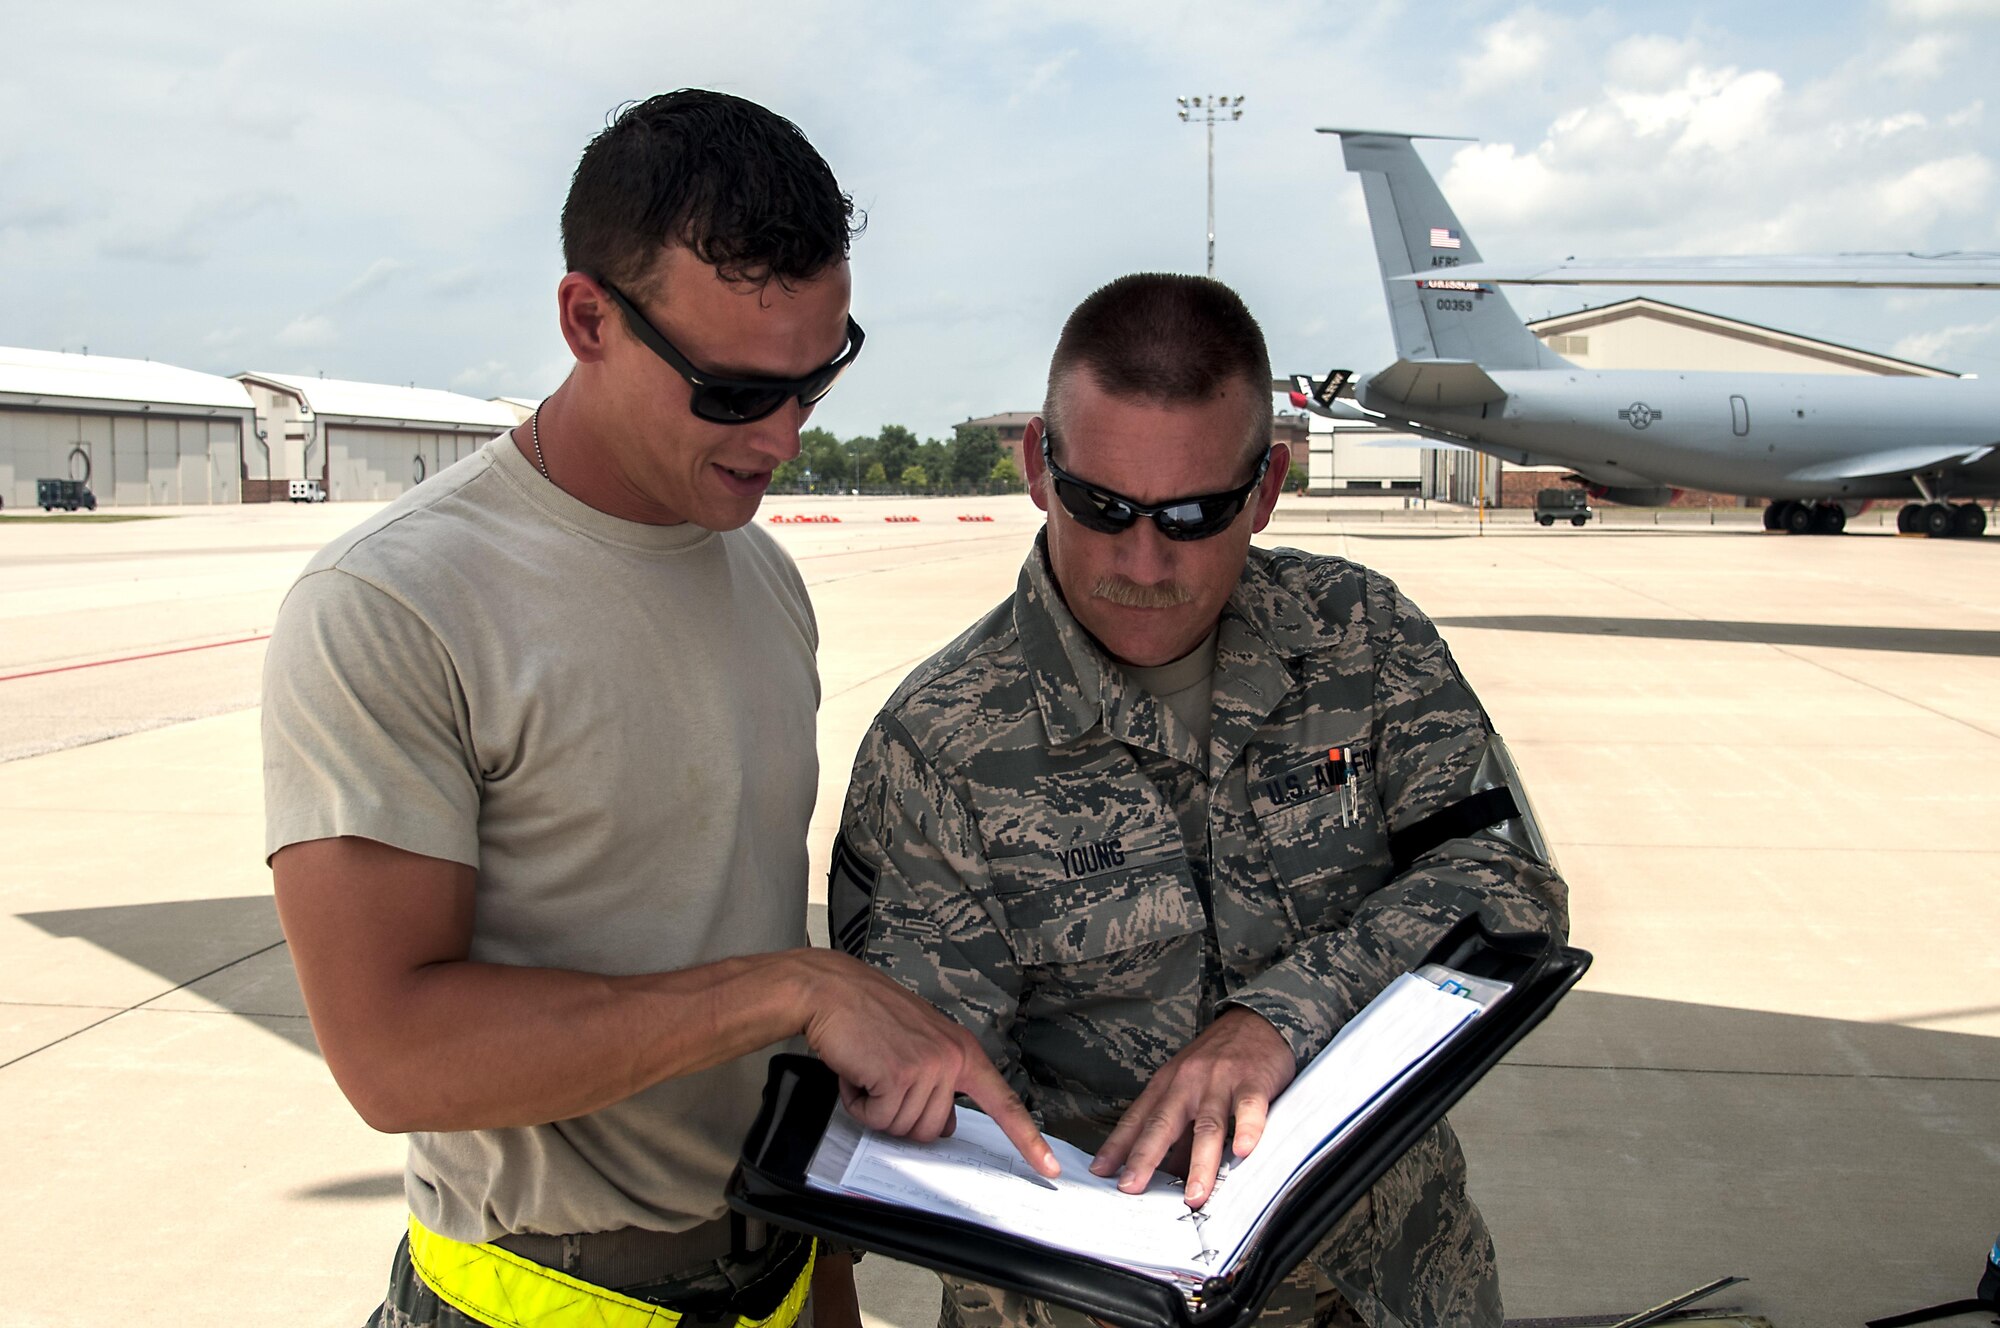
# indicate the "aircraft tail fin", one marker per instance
pixel 1435 318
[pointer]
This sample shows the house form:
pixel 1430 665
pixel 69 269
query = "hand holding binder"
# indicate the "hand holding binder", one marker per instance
pixel 967 1206
pixel 1234 1069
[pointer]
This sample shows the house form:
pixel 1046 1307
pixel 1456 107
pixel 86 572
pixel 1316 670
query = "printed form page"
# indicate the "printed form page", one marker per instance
pixel 975 1174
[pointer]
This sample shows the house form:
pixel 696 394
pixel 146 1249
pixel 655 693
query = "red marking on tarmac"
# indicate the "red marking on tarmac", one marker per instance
pixel 132 659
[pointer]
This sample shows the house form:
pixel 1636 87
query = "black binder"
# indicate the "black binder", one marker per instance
pixel 769 1180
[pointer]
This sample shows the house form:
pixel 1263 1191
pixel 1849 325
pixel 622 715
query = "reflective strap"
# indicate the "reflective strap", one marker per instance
pixel 1468 816
pixel 501 1288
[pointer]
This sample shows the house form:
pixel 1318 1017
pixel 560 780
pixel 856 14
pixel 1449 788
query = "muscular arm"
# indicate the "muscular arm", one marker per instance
pixel 420 1037
pixel 367 738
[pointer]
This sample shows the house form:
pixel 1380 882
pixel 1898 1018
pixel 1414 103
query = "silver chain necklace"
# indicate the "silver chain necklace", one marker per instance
pixel 535 437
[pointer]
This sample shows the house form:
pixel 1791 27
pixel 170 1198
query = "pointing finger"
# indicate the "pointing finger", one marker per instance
pixel 983 1084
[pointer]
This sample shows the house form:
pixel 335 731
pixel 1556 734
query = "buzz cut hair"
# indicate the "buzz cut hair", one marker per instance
pixel 736 184
pixel 1168 338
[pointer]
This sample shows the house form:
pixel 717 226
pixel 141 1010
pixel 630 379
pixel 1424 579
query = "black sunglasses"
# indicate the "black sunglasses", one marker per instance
pixel 1108 513
pixel 722 400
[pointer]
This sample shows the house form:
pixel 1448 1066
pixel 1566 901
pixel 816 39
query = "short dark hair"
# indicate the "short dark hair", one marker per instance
pixel 1161 336
pixel 737 184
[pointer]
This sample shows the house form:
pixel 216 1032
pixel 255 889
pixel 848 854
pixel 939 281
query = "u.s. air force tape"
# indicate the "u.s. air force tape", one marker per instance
pixel 1468 816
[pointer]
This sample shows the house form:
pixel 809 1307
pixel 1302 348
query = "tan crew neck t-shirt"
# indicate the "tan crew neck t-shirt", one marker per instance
pixel 1186 686
pixel 614 724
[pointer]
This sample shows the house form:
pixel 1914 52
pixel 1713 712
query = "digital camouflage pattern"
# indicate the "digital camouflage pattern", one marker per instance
pixel 1033 842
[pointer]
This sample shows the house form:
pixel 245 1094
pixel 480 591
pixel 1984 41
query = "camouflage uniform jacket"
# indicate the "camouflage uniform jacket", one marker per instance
pixel 1034 843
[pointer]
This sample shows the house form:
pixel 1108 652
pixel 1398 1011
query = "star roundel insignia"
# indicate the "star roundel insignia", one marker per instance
pixel 1639 414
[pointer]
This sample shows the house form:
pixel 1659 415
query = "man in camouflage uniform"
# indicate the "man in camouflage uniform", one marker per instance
pixel 1157 826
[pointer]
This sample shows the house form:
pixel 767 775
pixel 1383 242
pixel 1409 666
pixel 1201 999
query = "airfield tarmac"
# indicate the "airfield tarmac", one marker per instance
pixel 1770 767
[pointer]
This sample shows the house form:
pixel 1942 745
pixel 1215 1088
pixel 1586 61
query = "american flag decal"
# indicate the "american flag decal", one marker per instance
pixel 1444 237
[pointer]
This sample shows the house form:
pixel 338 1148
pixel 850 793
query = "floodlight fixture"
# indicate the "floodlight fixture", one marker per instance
pixel 1211 108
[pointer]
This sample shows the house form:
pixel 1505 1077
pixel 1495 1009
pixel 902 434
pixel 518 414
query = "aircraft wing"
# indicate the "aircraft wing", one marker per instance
pixel 1953 270
pixel 1890 461
pixel 1435 383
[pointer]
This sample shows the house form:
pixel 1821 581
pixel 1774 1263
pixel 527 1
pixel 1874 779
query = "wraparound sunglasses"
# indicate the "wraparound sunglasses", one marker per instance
pixel 1108 513
pixel 721 400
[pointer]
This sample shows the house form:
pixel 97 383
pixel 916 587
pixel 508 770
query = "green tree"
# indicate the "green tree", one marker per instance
pixel 935 458
pixel 1300 473
pixel 878 477
pixel 914 477
pixel 1006 476
pixel 816 447
pixel 896 448
pixel 973 453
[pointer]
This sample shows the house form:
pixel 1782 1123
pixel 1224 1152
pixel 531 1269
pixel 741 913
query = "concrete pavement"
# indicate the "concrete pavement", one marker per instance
pixel 1768 765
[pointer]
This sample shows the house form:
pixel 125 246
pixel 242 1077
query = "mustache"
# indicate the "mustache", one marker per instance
pixel 1131 595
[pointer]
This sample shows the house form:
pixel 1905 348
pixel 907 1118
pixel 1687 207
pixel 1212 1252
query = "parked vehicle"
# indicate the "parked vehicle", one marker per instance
pixel 1568 503
pixel 306 491
pixel 66 494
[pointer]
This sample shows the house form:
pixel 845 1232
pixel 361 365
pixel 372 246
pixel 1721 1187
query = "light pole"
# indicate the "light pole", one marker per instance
pixel 1208 111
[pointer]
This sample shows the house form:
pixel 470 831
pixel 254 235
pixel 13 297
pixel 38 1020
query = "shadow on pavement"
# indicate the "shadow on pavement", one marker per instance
pixel 1914 640
pixel 180 940
pixel 204 945
pixel 382 1185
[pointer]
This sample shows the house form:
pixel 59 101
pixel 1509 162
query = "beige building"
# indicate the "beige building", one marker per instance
pixel 1652 334
pixel 138 433
pixel 360 441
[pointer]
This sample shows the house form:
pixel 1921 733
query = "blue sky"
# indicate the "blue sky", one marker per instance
pixel 371 190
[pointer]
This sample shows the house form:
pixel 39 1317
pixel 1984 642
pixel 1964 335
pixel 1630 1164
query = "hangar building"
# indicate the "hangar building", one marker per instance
pixel 139 433
pixel 361 441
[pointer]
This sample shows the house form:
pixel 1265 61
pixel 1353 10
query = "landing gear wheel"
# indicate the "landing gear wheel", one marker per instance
pixel 1829 519
pixel 1937 521
pixel 1798 519
pixel 1910 521
pixel 1774 516
pixel 1968 520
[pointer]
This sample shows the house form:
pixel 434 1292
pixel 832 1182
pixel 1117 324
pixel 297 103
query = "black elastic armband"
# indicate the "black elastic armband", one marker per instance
pixel 1468 816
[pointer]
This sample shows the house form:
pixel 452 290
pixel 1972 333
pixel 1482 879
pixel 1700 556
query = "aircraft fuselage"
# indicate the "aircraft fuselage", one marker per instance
pixel 1750 433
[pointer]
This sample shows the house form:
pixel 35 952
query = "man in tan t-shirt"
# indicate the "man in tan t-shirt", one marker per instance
pixel 539 761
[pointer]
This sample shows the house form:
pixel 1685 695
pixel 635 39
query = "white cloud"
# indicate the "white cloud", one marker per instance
pixel 307 332
pixel 1918 59
pixel 1513 51
pixel 1610 129
pixel 1943 11
pixel 187 235
pixel 1041 77
pixel 1650 60
pixel 377 273
pixel 1952 186
pixel 1716 160
pixel 1933 346
pixel 489 379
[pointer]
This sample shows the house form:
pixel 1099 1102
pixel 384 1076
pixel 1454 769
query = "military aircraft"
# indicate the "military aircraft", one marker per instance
pixel 1468 372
